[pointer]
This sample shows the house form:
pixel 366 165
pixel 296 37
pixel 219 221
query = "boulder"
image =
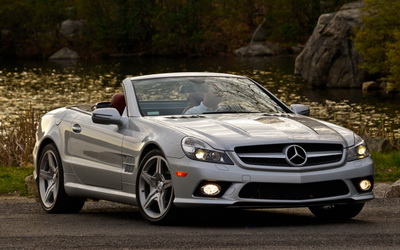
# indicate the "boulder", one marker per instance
pixel 370 85
pixel 329 58
pixel 64 53
pixel 378 144
pixel 380 189
pixel 31 186
pixel 394 190
pixel 255 49
pixel 71 28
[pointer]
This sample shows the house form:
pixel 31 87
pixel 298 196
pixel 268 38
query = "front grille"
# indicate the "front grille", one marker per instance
pixel 274 154
pixel 290 191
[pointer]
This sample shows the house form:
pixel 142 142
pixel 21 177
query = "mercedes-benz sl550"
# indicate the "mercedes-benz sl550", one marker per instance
pixel 185 140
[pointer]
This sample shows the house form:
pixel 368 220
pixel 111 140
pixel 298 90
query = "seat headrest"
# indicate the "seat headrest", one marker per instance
pixel 118 102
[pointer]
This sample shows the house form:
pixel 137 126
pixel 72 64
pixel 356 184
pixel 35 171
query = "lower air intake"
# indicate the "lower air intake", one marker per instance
pixel 289 191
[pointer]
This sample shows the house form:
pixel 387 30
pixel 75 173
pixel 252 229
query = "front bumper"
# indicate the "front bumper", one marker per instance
pixel 270 188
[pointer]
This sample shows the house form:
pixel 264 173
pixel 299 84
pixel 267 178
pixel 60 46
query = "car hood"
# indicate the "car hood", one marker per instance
pixel 226 131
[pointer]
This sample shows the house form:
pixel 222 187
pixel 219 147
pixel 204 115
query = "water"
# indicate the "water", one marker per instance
pixel 45 85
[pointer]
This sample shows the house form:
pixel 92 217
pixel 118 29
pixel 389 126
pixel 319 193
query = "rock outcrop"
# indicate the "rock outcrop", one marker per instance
pixel 254 49
pixel 64 53
pixel 394 190
pixel 378 144
pixel 329 58
pixel 71 29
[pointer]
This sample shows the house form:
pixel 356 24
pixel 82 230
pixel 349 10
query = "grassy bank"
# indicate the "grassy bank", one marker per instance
pixel 387 166
pixel 12 180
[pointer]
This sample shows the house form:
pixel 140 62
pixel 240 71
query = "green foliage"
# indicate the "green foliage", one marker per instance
pixel 32 25
pixel 377 41
pixel 393 58
pixel 387 166
pixel 177 27
pixel 12 180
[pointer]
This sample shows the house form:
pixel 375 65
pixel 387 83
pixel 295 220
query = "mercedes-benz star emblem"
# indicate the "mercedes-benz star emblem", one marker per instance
pixel 295 155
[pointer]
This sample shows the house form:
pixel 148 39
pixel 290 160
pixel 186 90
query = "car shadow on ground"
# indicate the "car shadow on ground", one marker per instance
pixel 218 217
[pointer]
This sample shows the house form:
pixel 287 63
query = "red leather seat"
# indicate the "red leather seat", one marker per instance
pixel 118 102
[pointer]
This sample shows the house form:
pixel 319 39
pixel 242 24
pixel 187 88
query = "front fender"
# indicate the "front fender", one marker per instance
pixel 50 130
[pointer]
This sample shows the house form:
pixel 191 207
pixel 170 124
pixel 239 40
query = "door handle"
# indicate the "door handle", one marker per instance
pixel 76 128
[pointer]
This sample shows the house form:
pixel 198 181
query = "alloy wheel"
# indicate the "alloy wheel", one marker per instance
pixel 49 179
pixel 155 188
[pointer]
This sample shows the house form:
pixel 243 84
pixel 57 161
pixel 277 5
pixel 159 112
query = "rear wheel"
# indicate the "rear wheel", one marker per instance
pixel 338 212
pixel 50 182
pixel 154 191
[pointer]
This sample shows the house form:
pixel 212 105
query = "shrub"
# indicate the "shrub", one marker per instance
pixel 377 40
pixel 393 58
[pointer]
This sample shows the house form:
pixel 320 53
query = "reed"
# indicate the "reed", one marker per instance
pixel 17 139
pixel 388 132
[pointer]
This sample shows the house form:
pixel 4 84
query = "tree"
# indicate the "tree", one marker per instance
pixel 393 59
pixel 33 25
pixel 376 40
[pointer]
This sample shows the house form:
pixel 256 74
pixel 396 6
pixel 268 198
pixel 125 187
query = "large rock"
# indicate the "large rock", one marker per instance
pixel 255 49
pixel 329 58
pixel 380 189
pixel 378 144
pixel 64 53
pixel 370 85
pixel 31 186
pixel 72 28
pixel 394 190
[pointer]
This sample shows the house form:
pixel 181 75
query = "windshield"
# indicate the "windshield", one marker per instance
pixel 202 95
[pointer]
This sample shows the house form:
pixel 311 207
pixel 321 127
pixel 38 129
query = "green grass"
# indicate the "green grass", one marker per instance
pixel 387 166
pixel 12 180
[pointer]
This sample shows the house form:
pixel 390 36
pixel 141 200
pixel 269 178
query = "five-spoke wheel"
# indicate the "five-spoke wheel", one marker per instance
pixel 154 190
pixel 50 184
pixel 49 179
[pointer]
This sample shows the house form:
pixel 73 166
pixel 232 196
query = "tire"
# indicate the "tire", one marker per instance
pixel 337 212
pixel 50 183
pixel 154 189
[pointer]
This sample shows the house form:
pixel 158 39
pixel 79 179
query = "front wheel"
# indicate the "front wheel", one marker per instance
pixel 154 190
pixel 50 182
pixel 338 212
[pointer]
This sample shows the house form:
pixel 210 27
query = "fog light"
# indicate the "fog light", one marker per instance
pixel 365 185
pixel 210 189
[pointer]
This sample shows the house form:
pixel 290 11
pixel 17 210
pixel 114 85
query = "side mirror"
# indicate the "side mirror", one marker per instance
pixel 107 116
pixel 300 109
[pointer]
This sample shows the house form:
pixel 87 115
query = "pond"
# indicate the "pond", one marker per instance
pixel 45 85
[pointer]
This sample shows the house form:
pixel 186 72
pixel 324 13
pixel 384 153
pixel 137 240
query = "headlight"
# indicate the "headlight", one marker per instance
pixel 358 151
pixel 198 150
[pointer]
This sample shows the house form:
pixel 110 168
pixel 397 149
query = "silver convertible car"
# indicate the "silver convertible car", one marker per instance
pixel 192 140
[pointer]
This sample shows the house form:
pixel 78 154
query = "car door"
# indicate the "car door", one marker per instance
pixel 96 152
